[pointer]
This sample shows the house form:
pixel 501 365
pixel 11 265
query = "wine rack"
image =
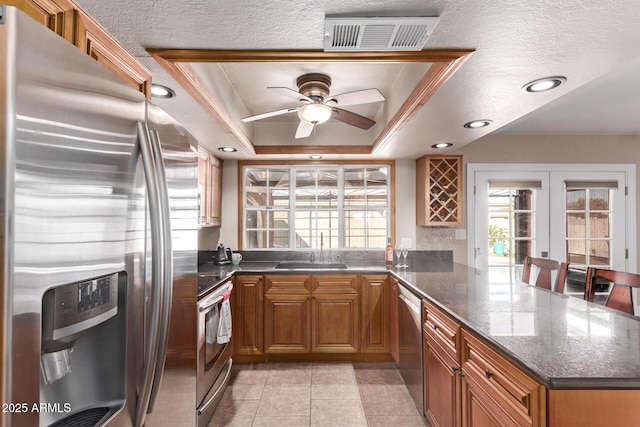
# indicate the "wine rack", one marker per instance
pixel 439 191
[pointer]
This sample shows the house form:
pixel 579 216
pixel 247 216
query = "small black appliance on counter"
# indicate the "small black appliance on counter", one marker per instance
pixel 222 255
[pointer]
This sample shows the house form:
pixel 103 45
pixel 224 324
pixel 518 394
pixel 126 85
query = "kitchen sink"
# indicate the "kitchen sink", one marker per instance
pixel 304 265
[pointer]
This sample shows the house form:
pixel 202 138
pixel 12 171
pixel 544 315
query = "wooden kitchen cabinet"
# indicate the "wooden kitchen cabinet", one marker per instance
pixel 441 385
pixel 59 16
pixel 210 188
pixel 467 383
pixel 182 339
pixel 394 337
pixel 247 314
pixel 335 314
pixel 439 191
pixel 318 314
pixel 66 19
pixel 442 398
pixel 287 313
pixel 495 391
pixel 376 313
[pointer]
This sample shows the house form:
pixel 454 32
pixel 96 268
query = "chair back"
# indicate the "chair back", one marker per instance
pixel 545 268
pixel 620 298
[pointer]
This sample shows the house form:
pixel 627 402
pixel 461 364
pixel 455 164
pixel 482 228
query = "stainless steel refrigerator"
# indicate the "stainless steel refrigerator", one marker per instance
pixel 99 211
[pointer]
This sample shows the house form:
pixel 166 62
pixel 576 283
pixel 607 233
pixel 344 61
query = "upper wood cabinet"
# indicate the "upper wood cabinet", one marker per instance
pixel 210 187
pixel 439 191
pixel 66 19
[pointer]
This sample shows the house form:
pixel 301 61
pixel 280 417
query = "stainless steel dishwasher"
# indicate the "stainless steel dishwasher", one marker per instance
pixel 410 340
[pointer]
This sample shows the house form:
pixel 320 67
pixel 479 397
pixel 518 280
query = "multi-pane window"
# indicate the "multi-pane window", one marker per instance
pixel 588 216
pixel 304 207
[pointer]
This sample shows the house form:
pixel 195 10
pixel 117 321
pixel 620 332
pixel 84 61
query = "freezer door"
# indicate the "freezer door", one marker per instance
pixel 70 147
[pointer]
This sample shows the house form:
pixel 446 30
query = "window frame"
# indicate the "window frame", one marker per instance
pixel 291 166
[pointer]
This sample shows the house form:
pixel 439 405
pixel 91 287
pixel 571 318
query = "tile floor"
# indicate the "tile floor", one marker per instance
pixel 316 394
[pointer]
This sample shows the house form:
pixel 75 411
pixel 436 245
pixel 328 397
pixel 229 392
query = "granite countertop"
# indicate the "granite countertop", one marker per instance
pixel 562 341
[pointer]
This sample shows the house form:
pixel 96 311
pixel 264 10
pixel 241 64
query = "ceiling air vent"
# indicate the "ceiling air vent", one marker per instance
pixel 371 34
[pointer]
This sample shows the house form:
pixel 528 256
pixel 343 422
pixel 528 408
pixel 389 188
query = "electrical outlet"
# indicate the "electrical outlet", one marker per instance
pixel 461 234
pixel 405 242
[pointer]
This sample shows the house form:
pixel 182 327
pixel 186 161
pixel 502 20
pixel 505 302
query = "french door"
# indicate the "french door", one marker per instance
pixel 512 220
pixel 563 212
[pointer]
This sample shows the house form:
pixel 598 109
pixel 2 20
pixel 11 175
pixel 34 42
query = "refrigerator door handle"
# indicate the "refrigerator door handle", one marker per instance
pixel 167 282
pixel 158 271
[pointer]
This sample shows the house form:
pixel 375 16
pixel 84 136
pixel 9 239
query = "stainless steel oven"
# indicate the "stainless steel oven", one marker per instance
pixel 214 354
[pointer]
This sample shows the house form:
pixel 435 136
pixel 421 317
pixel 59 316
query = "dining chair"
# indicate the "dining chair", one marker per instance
pixel 545 267
pixel 620 297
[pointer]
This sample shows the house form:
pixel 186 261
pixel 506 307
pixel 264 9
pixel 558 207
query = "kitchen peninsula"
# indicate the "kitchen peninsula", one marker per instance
pixel 550 359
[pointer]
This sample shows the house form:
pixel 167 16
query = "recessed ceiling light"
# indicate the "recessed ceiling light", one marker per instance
pixel 544 84
pixel 315 157
pixel 477 124
pixel 442 145
pixel 163 92
pixel 227 149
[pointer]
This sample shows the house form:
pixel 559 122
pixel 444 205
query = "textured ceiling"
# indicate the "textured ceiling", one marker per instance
pixel 515 41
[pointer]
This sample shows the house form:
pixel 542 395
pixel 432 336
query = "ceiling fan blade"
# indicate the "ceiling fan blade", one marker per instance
pixel 290 93
pixel 364 96
pixel 269 114
pixel 304 130
pixel 352 119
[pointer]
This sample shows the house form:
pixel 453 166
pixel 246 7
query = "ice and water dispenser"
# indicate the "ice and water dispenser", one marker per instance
pixel 83 350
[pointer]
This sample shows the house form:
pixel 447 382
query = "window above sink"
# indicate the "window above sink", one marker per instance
pixel 299 206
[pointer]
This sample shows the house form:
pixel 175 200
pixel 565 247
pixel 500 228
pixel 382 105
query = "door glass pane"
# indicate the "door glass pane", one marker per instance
pixel 576 225
pixel 577 252
pixel 599 200
pixel 576 199
pixel 511 231
pixel 588 225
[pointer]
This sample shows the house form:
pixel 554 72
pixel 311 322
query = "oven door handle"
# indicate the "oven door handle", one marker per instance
pixel 204 406
pixel 205 304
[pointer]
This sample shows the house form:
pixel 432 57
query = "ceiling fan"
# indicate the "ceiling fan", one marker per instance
pixel 318 107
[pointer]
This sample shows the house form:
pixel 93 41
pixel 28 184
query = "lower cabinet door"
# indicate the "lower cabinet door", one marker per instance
pixel 247 304
pixel 480 409
pixel 287 323
pixel 441 387
pixel 336 323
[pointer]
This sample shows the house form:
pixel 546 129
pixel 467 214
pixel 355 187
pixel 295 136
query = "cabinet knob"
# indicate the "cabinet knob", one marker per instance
pixel 488 374
pixel 435 327
pixel 454 369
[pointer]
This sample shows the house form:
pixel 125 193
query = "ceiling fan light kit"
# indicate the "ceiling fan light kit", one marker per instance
pixel 314 113
pixel 318 106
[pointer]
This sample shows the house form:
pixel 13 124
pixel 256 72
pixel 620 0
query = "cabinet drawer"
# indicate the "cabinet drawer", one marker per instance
pixel 336 284
pixel 522 397
pixel 442 329
pixel 287 284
